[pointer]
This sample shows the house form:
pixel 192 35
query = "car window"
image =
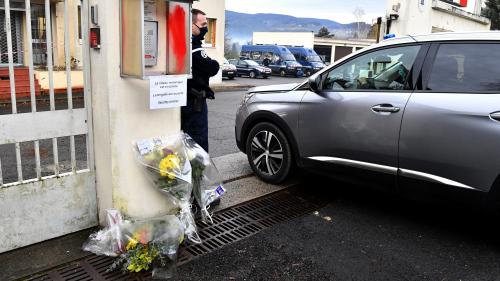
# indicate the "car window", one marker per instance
pixel 386 69
pixel 255 55
pixel 251 62
pixel 466 68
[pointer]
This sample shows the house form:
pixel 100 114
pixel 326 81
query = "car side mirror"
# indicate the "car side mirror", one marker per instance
pixel 314 83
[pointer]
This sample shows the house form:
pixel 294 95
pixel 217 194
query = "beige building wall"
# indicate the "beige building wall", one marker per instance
pixel 59 28
pixel 305 39
pixel 121 115
pixel 215 9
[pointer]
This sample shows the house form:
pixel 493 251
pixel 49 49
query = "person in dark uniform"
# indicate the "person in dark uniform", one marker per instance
pixel 194 116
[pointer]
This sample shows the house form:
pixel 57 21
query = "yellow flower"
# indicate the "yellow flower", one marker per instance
pixel 132 244
pixel 168 164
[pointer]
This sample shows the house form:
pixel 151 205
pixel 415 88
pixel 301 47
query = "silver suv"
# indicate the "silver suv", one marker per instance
pixel 399 113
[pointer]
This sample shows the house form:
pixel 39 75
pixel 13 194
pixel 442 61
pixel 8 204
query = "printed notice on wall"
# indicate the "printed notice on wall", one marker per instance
pixel 167 91
pixel 150 10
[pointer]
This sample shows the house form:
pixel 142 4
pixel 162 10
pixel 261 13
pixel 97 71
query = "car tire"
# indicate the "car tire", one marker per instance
pixel 238 75
pixel 269 153
pixel 231 78
pixel 282 73
pixel 252 74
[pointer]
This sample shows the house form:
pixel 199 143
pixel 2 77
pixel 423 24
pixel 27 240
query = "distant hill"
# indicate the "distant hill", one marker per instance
pixel 240 26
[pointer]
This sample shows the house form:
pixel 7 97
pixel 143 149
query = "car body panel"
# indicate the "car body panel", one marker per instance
pixel 282 107
pixel 452 136
pixel 228 70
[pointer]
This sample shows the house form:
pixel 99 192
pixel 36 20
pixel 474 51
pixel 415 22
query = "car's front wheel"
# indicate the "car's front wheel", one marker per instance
pixel 269 153
pixel 252 74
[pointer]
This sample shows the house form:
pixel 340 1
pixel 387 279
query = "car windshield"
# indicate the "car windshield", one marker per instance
pixel 314 59
pixel 288 57
pixel 251 62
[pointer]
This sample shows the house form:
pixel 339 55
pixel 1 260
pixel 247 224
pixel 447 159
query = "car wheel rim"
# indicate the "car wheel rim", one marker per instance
pixel 252 74
pixel 267 153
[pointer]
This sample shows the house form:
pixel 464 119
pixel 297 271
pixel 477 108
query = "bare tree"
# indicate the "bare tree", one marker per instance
pixel 358 14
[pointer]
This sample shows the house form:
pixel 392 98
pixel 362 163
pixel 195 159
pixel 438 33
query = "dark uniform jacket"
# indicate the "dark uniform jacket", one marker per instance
pixel 203 68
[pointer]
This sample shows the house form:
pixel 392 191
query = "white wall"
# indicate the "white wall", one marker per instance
pixel 415 18
pixel 305 39
pixel 215 9
pixel 121 115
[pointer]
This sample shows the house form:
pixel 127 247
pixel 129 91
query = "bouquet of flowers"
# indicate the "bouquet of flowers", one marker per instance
pixel 140 245
pixel 206 179
pixel 166 161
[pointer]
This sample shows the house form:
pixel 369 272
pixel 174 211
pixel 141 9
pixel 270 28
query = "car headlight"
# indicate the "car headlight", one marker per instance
pixel 247 97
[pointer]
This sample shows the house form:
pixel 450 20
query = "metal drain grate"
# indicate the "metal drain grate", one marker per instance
pixel 229 226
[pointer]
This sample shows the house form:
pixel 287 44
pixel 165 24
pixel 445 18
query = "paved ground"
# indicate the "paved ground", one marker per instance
pixel 362 235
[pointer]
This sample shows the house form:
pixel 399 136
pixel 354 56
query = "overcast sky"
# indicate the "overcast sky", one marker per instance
pixel 337 10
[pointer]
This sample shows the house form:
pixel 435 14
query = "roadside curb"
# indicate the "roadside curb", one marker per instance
pixel 230 88
pixel 233 167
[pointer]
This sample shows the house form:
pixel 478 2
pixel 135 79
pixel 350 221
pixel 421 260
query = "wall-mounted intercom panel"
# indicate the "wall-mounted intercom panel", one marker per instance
pixel 155 37
pixel 150 43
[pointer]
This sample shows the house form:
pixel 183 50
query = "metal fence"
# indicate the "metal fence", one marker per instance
pixel 23 132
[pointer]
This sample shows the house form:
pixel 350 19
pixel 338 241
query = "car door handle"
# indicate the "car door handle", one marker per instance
pixel 495 116
pixel 386 108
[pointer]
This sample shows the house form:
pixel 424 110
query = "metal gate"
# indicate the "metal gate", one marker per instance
pixel 47 177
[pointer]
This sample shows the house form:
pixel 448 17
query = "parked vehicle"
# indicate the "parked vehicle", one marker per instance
pixel 251 69
pixel 407 111
pixel 228 70
pixel 278 58
pixel 308 58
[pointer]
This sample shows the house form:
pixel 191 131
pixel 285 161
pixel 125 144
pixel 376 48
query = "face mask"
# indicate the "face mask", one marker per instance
pixel 203 32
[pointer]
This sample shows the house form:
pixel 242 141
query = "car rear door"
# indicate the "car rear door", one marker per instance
pixel 242 68
pixel 451 127
pixel 355 119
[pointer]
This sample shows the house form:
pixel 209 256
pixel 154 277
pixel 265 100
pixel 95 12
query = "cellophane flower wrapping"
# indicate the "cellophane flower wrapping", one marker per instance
pixel 107 241
pixel 140 245
pixel 206 179
pixel 168 168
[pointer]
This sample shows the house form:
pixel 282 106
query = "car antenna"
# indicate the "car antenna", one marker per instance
pixel 412 38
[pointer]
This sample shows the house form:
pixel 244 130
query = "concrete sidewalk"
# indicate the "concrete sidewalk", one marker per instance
pixel 240 185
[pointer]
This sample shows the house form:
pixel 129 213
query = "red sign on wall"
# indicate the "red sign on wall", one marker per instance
pixel 95 37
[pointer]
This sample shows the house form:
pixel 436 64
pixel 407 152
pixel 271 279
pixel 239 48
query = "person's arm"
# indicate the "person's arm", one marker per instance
pixel 205 65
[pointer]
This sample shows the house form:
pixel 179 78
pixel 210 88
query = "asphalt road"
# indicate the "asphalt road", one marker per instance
pixel 362 235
